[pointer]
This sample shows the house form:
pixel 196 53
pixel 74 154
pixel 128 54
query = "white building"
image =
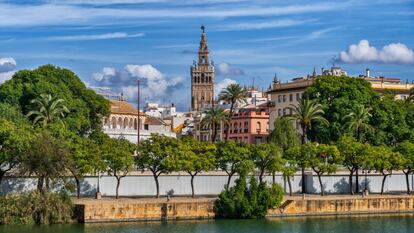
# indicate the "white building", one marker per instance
pixel 123 122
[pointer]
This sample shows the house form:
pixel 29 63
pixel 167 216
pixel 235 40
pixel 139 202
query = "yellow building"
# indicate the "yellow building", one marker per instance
pixel 282 95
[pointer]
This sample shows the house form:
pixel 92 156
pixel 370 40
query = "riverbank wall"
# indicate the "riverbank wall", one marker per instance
pixel 186 208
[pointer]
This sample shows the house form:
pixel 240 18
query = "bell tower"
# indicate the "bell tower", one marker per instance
pixel 202 77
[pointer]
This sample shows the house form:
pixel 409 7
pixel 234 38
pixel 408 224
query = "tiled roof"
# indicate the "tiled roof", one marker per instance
pixel 123 107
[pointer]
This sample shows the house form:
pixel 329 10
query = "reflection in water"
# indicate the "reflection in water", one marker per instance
pixel 338 224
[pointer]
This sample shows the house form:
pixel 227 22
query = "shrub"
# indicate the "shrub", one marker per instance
pixel 248 201
pixel 36 208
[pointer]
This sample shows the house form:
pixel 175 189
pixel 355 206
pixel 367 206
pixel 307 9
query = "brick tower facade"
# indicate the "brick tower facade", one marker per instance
pixel 202 77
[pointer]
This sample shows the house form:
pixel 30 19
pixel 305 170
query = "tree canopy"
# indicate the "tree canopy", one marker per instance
pixel 338 96
pixel 86 107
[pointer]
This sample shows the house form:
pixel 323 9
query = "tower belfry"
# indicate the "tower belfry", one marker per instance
pixel 202 77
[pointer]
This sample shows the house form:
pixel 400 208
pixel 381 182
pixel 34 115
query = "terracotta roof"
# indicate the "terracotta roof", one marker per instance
pixel 123 107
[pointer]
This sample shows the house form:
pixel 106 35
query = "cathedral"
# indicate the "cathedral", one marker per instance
pixel 202 78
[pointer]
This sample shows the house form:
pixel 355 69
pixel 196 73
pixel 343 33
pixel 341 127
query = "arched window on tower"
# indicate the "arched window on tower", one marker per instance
pixel 202 78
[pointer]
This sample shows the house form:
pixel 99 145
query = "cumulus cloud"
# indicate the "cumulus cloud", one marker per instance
pixel 155 85
pixel 7 68
pixel 363 52
pixel 223 84
pixel 225 69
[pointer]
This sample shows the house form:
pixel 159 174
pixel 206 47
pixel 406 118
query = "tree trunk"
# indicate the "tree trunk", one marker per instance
pixel 261 176
pixel 273 178
pixel 229 180
pixel 77 187
pixel 40 184
pixel 2 173
pixel 192 186
pixel 351 188
pixel 118 181
pixel 290 185
pixel 228 124
pixel 320 184
pixel 47 181
pixel 303 180
pixel 357 180
pixel 213 137
pixel 407 180
pixel 383 182
pixel 157 185
pixel 303 134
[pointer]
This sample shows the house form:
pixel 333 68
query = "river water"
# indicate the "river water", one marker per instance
pixel 341 224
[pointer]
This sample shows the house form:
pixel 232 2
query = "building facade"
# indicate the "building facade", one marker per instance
pixel 202 77
pixel 282 95
pixel 123 122
pixel 249 125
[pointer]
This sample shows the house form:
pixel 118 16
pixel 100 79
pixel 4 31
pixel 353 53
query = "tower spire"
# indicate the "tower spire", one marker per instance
pixel 203 49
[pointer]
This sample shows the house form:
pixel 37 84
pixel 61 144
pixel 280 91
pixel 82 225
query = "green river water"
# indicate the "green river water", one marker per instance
pixel 355 224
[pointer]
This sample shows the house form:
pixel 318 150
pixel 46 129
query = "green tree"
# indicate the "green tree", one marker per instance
pixel 284 134
pixel 306 113
pixel 154 154
pixel 357 122
pixel 384 160
pixel 233 94
pixel 194 157
pixel 266 158
pixel 406 149
pixel 118 156
pixel 338 96
pixel 391 119
pixel 233 157
pixel 213 119
pixel 288 171
pixel 323 159
pixel 353 153
pixel 248 201
pixel 15 138
pixel 47 158
pixel 48 109
pixel 86 107
pixel 298 155
pixel 85 159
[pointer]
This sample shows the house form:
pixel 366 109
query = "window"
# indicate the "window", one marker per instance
pixel 284 98
pixel 291 97
pixel 279 98
pixel 297 97
pixel 146 126
pixel 279 112
pixel 284 111
pixel 258 127
pixel 246 127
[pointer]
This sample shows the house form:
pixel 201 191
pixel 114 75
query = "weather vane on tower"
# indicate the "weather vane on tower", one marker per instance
pixel 202 28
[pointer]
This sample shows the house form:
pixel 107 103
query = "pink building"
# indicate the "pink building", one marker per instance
pixel 249 125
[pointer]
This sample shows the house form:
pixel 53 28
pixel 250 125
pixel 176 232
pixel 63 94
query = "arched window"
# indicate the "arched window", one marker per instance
pixel 125 123
pixel 246 127
pixel 119 126
pixel 131 123
pixel 113 122
pixel 135 124
pixel 202 78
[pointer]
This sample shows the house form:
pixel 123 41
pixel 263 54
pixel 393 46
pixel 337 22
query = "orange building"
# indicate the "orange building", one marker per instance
pixel 249 125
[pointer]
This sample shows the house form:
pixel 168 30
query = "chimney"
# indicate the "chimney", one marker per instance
pixel 367 71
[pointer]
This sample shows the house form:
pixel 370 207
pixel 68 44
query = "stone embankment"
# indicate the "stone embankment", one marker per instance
pixel 147 209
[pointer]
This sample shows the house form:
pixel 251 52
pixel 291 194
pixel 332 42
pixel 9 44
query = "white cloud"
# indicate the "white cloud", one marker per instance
pixel 363 52
pixel 155 85
pixel 223 84
pixel 225 69
pixel 106 36
pixel 12 15
pixel 7 68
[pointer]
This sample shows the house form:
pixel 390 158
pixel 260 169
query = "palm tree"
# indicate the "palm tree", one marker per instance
pixel 358 122
pixel 305 113
pixel 213 118
pixel 48 109
pixel 233 94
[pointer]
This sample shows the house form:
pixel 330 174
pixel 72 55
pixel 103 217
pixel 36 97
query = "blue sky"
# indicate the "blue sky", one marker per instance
pixel 112 42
